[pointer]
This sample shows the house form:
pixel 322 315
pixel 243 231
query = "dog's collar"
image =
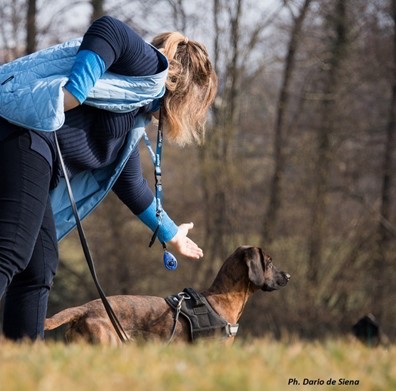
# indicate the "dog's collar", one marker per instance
pixel 204 321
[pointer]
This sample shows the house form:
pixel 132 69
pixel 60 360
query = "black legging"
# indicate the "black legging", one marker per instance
pixel 28 245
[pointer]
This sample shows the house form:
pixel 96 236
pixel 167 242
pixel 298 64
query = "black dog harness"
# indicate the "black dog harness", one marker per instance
pixel 203 319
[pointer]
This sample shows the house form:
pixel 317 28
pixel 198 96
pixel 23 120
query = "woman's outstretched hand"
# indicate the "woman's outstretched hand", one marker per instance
pixel 184 245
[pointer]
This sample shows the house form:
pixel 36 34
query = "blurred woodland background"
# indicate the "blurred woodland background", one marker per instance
pixel 299 157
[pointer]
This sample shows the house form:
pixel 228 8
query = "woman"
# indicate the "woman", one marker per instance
pixel 117 82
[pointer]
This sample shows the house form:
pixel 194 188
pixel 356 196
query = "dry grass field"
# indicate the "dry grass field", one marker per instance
pixel 254 365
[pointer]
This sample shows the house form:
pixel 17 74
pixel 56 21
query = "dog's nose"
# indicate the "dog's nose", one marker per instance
pixel 288 276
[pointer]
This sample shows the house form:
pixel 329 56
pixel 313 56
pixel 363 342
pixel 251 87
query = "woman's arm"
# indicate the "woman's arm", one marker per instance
pixel 133 191
pixel 123 51
pixel 108 44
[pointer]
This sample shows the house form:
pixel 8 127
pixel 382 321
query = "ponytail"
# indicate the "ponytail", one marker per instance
pixel 191 87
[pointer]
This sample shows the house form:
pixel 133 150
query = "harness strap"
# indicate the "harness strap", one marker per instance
pixel 204 321
pixel 195 297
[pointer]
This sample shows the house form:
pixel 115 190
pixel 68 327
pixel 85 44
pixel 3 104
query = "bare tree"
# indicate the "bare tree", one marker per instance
pixel 217 155
pixel 338 43
pixel 12 28
pixel 236 43
pixel 97 9
pixel 31 30
pixel 178 8
pixel 275 197
pixel 385 231
pixel 383 262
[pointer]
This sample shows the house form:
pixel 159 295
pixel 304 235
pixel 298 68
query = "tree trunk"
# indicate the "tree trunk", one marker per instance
pixel 217 155
pixel 179 14
pixel 31 30
pixel 323 162
pixel 385 231
pixel 274 204
pixel 97 9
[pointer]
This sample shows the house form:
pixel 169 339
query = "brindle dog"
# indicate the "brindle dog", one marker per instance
pixel 244 272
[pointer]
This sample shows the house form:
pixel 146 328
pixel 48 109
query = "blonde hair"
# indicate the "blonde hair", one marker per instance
pixel 191 87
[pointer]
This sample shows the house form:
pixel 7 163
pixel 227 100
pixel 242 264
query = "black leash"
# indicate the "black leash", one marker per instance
pixel 113 318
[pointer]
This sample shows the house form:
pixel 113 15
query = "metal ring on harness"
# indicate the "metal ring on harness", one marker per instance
pixel 182 296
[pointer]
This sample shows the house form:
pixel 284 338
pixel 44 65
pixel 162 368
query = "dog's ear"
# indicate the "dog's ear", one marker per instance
pixel 255 262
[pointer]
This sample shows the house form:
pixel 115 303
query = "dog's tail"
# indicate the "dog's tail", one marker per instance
pixel 65 316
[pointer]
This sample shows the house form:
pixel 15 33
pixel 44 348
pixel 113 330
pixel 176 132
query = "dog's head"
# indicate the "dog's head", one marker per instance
pixel 261 271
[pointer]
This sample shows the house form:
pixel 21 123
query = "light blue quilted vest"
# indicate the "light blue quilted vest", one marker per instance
pixel 31 96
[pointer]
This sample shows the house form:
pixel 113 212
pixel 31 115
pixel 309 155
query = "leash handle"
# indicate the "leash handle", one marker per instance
pixel 113 318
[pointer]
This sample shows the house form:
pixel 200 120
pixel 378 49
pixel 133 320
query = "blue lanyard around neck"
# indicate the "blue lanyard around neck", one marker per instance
pixel 170 261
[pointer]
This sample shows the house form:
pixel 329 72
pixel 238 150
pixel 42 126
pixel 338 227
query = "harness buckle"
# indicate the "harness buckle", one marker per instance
pixel 232 329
